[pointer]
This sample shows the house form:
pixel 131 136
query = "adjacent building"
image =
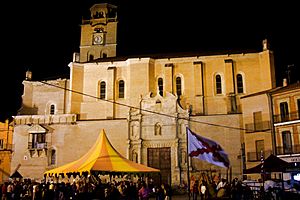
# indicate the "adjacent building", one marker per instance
pixel 286 126
pixel 6 149
pixel 144 103
pixel 272 126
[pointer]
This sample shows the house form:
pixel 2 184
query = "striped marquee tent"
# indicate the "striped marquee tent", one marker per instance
pixel 100 159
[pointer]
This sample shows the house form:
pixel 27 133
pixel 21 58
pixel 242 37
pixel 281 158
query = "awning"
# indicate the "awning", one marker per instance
pixel 271 164
pixel 102 157
pixel 16 174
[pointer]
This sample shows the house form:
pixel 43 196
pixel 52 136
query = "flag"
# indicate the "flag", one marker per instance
pixel 206 150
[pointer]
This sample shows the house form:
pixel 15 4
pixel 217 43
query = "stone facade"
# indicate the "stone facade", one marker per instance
pixel 69 140
pixel 36 101
pixel 143 103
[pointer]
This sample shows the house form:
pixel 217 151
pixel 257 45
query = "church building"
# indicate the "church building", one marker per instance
pixel 143 103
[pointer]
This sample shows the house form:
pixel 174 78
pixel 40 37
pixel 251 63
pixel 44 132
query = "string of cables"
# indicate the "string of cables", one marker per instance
pixel 150 111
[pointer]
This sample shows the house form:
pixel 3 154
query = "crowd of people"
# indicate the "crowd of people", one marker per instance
pixel 207 188
pixel 83 189
pixel 204 187
pixel 200 188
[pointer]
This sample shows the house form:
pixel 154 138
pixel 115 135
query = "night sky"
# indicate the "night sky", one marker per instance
pixel 42 35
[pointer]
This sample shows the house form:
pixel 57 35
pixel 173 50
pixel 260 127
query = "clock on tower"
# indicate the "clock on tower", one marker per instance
pixel 98 39
pixel 99 33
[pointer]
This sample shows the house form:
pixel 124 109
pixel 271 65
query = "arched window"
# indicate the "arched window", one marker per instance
pixel 218 84
pixel 240 85
pixel 121 89
pixel 91 57
pixel 178 86
pixel 52 109
pixel 102 89
pixel 160 84
pixel 53 157
pixel 157 129
pixel 135 157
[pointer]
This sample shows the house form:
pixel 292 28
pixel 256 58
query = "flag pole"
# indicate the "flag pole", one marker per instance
pixel 188 161
pixel 262 160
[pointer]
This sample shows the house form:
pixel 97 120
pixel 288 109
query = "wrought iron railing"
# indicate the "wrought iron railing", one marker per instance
pixel 293 149
pixel 256 127
pixel 287 117
pixel 6 147
pixel 37 145
pixel 255 156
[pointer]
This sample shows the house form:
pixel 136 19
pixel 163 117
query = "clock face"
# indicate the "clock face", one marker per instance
pixel 98 39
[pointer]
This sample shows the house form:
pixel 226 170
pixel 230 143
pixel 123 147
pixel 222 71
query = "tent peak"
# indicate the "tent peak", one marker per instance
pixel 102 156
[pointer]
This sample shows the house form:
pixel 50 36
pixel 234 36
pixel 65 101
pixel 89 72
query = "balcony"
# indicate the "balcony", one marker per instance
pixel 294 149
pixel 6 147
pixel 37 146
pixel 257 127
pixel 288 117
pixel 255 156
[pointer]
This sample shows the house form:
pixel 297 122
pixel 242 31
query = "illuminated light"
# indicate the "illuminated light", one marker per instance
pixel 297 177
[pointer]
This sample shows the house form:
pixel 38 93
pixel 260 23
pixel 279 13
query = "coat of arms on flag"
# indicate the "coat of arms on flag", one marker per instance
pixel 206 150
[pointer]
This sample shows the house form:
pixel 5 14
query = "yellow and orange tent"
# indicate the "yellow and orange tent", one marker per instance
pixel 102 157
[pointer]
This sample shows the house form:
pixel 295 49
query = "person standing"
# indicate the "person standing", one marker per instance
pixel 9 191
pixel 159 193
pixel 167 191
pixel 144 192
pixel 195 190
pixel 203 190
pixel 4 190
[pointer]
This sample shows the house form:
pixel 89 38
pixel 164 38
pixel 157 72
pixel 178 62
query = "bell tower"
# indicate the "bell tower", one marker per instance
pixel 99 33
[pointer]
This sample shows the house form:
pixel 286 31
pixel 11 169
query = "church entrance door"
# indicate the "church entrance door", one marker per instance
pixel 160 158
